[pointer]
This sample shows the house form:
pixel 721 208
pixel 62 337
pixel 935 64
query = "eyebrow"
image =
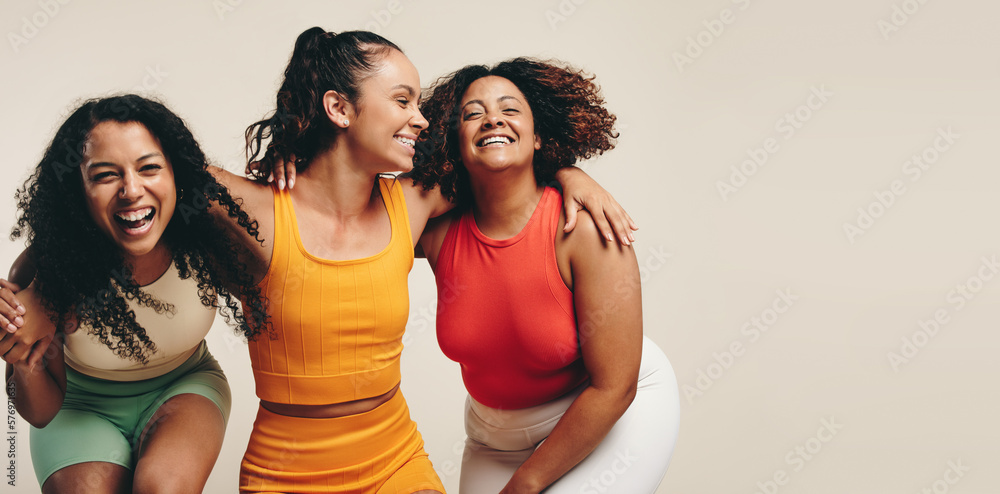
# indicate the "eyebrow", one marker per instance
pixel 141 158
pixel 500 99
pixel 407 87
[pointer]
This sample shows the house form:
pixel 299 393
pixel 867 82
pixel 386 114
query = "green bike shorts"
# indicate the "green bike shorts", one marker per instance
pixel 102 420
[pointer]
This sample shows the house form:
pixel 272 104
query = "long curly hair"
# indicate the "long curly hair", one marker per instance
pixel 568 109
pixel 320 62
pixel 81 271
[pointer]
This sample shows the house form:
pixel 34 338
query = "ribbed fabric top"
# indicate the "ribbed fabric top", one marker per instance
pixel 339 324
pixel 505 314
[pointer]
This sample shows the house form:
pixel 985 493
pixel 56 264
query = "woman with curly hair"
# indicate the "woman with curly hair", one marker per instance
pixel 331 416
pixel 566 394
pixel 131 267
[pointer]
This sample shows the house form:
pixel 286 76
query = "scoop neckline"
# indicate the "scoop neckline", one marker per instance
pixel 506 242
pixel 310 256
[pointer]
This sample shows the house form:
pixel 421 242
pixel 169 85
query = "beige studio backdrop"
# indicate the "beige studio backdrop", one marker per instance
pixel 814 182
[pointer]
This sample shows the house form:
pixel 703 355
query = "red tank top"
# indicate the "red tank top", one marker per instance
pixel 505 314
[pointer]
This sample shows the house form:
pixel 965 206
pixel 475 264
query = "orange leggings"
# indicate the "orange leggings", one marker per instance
pixel 376 452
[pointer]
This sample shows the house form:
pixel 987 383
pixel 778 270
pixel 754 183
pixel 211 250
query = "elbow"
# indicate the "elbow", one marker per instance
pixel 628 395
pixel 38 423
pixel 619 397
pixel 38 420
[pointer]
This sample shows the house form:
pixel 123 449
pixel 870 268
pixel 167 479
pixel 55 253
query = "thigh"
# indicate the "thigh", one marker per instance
pixel 179 445
pixel 416 476
pixel 182 431
pixel 89 478
pixel 485 469
pixel 77 436
pixel 634 456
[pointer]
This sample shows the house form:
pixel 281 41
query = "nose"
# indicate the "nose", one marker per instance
pixel 132 187
pixel 418 121
pixel 494 120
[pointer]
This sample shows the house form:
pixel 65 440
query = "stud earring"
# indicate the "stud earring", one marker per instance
pixel 346 122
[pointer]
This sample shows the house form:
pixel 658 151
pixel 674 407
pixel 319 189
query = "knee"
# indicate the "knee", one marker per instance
pixel 173 483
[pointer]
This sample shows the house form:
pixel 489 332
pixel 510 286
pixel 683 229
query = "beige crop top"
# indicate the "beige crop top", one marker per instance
pixel 176 334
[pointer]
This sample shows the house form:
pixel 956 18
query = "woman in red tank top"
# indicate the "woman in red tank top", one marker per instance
pixel 547 328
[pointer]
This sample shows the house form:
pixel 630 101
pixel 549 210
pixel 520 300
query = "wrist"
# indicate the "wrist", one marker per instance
pixel 522 483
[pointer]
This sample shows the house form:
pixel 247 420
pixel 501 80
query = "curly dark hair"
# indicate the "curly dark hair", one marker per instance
pixel 83 272
pixel 568 111
pixel 320 62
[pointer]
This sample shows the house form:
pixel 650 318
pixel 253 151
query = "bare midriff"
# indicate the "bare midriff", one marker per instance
pixel 331 410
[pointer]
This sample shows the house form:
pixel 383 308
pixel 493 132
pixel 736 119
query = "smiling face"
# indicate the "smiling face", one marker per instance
pixel 497 129
pixel 387 119
pixel 129 187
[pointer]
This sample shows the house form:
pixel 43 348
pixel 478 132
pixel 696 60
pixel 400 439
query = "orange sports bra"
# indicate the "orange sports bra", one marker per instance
pixel 339 324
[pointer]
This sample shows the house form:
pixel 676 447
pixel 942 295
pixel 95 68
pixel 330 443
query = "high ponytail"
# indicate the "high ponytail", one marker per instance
pixel 321 61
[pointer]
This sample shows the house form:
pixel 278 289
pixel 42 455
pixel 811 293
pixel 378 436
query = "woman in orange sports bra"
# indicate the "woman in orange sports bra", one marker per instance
pixel 331 418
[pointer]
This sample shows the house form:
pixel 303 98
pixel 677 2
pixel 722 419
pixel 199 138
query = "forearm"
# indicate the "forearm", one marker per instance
pixel 580 430
pixel 37 393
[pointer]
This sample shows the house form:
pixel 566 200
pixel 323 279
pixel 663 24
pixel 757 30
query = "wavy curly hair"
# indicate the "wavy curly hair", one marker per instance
pixel 320 62
pixel 568 111
pixel 81 271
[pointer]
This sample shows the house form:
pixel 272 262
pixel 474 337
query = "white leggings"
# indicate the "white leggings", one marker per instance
pixel 631 459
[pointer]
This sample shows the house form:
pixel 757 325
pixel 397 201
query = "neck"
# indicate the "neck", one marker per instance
pixel 334 184
pixel 504 201
pixel 149 267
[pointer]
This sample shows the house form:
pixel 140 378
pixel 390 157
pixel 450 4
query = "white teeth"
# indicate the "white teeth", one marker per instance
pixel 405 140
pixel 496 140
pixel 134 215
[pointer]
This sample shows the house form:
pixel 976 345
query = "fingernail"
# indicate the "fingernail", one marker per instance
pixel 631 238
pixel 21 309
pixel 11 328
pixel 281 184
pixel 18 321
pixel 610 238
pixel 270 178
pixel 291 182
pixel 625 240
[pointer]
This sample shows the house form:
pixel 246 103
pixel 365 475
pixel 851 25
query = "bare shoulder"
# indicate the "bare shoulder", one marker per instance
pixel 240 186
pixel 433 237
pixel 586 248
pixel 584 235
pixel 429 203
